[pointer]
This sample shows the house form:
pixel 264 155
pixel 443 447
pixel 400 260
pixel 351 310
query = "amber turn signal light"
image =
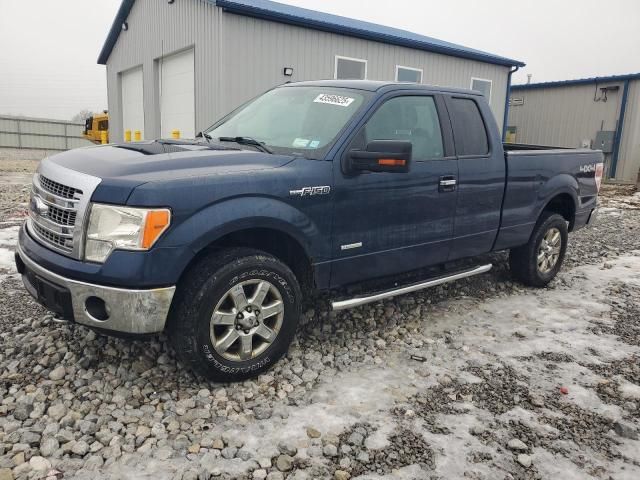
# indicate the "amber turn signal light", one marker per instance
pixel 156 222
pixel 392 162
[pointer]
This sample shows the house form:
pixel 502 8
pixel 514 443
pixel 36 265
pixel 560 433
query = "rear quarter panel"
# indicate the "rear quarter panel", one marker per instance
pixel 535 178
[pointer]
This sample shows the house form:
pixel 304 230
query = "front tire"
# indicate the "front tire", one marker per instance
pixel 235 314
pixel 539 261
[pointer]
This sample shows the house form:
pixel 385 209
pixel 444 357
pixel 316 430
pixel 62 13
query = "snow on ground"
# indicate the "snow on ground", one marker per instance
pixel 348 400
pixel 518 333
pixel 8 241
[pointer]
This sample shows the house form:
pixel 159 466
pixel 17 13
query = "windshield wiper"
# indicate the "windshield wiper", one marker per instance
pixel 204 135
pixel 247 141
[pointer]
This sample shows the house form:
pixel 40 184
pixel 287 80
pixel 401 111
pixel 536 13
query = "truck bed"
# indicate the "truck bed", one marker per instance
pixel 536 174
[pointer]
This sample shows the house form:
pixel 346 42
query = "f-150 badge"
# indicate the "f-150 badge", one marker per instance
pixel 310 191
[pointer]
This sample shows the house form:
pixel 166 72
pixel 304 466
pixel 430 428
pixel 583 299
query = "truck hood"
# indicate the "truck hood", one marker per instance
pixel 142 162
pixel 122 167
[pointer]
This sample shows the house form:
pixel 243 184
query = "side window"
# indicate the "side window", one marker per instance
pixel 408 74
pixel 350 68
pixel 483 86
pixel 412 118
pixel 468 127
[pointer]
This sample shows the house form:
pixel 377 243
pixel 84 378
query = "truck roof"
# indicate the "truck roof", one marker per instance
pixel 375 85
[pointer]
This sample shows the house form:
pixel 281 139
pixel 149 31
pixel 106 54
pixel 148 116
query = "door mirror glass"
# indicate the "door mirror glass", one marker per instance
pixel 382 156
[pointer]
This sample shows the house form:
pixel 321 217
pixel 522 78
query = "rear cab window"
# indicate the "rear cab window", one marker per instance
pixel 469 130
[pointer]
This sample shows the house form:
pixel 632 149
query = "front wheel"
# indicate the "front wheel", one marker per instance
pixel 539 261
pixel 235 315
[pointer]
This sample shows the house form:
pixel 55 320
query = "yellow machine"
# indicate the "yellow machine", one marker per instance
pixel 96 128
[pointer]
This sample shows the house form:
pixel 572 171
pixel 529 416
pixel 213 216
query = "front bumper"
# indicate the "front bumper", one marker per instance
pixel 106 308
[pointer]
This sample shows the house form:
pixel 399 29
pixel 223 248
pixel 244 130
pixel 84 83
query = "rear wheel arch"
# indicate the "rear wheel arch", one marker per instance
pixel 563 204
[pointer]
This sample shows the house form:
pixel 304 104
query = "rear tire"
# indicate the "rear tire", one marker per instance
pixel 539 261
pixel 235 314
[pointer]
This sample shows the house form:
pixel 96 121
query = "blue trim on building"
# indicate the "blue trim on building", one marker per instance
pixel 620 126
pixel 114 32
pixel 579 81
pixel 278 12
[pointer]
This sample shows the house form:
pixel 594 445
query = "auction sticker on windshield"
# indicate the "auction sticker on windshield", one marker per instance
pixel 334 99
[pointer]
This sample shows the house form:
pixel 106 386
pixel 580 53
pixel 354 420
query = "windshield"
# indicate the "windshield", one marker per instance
pixel 301 121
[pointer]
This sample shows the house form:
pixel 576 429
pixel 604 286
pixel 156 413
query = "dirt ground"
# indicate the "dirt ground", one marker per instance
pixel 479 379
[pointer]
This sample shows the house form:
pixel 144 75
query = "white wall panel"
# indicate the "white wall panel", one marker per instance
pixel 177 101
pixel 132 95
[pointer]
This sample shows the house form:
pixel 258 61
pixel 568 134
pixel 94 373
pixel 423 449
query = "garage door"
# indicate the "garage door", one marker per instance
pixel 132 101
pixel 177 101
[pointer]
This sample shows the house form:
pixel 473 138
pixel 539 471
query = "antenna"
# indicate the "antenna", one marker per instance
pixel 160 83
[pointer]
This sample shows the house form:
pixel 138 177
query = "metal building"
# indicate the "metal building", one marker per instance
pixel 600 112
pixel 182 64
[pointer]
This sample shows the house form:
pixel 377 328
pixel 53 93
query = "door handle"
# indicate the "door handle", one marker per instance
pixel 447 183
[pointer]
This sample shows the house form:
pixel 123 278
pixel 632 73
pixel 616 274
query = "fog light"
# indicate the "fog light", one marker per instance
pixel 97 308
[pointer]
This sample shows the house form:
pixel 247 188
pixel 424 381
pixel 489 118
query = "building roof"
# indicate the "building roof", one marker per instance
pixel 578 81
pixel 278 12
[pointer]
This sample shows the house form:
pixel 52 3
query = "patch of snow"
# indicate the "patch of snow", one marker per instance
pixel 629 390
pixel 8 241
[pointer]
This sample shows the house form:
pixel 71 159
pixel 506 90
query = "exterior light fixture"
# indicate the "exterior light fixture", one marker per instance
pixel 288 71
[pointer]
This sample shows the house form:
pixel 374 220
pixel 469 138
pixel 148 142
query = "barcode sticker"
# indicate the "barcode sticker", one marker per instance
pixel 334 99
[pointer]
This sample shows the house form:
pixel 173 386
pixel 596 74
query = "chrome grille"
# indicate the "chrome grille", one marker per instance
pixel 53 211
pixel 58 189
pixel 53 238
pixel 61 217
pixel 59 204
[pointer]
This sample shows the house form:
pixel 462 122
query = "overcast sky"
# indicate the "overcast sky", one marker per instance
pixel 48 48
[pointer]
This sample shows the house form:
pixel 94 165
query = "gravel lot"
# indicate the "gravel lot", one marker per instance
pixel 505 382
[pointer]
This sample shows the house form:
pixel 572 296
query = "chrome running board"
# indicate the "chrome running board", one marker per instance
pixel 357 301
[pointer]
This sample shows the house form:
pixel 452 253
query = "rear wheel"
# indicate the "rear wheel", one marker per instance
pixel 235 315
pixel 540 260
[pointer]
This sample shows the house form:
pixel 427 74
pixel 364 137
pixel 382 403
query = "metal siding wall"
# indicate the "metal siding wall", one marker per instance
pixel 238 57
pixel 256 51
pixel 25 132
pixel 563 116
pixel 629 157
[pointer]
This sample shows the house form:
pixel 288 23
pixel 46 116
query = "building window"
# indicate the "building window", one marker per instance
pixel 482 85
pixel 408 74
pixel 350 68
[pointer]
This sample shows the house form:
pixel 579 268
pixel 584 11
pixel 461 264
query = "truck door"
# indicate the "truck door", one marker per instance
pixel 481 176
pixel 386 223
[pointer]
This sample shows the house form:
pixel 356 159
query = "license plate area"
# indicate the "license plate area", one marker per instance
pixel 53 297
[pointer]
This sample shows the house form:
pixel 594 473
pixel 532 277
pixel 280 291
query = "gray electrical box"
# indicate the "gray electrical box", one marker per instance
pixel 604 141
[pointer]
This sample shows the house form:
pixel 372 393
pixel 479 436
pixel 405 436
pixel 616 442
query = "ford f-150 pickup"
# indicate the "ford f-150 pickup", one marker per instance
pixel 311 186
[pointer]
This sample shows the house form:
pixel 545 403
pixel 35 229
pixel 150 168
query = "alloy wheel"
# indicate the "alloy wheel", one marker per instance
pixel 246 320
pixel 549 250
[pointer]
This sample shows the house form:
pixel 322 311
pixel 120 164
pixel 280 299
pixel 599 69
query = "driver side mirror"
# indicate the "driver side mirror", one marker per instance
pixel 381 156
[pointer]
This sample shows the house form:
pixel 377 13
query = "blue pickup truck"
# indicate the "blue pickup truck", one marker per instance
pixel 311 186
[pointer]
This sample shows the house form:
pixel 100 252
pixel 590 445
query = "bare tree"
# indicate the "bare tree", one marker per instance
pixel 81 116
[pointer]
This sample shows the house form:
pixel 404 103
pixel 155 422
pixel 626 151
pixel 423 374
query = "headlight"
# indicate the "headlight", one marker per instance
pixel 113 227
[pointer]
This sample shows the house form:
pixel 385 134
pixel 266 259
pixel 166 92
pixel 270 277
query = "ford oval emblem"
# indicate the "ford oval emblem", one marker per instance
pixel 39 207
